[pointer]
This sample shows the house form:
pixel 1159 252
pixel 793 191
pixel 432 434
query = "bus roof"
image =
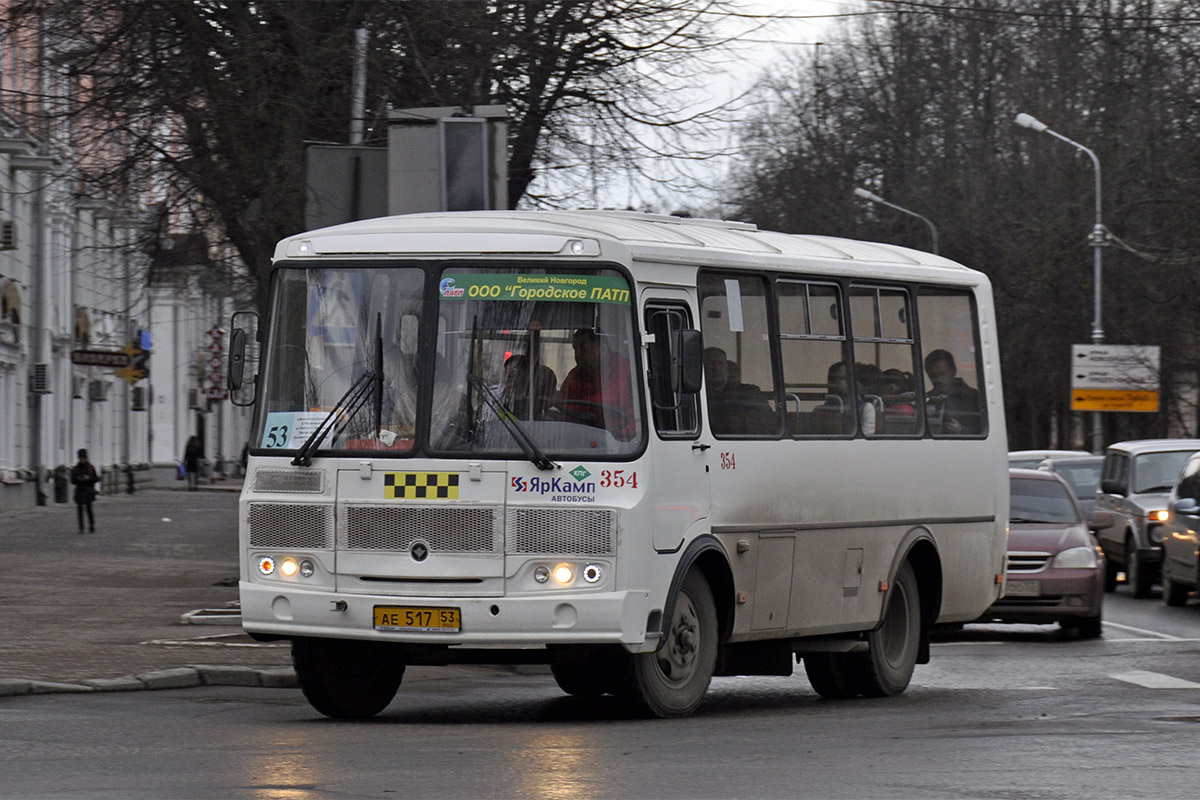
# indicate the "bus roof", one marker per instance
pixel 636 235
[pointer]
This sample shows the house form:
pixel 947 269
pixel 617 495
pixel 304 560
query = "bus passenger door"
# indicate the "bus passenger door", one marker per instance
pixel 680 463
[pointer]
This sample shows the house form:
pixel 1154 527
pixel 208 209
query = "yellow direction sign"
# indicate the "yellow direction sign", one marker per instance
pixel 1113 400
pixel 137 368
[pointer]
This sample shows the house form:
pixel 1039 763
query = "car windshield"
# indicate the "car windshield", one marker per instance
pixel 1043 501
pixel 1084 478
pixel 1156 472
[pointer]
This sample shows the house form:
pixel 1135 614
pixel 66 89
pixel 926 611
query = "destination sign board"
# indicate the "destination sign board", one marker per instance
pixel 1115 377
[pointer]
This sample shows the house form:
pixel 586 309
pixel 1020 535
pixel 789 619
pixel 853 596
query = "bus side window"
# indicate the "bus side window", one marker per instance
pixel 954 401
pixel 739 378
pixel 812 341
pixel 884 352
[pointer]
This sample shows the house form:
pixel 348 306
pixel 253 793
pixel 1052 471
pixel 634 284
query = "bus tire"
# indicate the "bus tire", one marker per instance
pixel 827 674
pixel 887 666
pixel 345 679
pixel 581 680
pixel 672 681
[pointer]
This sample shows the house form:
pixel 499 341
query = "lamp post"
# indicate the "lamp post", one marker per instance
pixel 1098 240
pixel 874 198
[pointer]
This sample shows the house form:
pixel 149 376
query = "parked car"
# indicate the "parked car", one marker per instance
pixel 1134 485
pixel 1180 545
pixel 1029 459
pixel 1082 474
pixel 1055 568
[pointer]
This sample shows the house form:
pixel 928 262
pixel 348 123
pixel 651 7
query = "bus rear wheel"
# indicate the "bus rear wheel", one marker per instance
pixel 672 681
pixel 346 679
pixel 887 666
pixel 827 673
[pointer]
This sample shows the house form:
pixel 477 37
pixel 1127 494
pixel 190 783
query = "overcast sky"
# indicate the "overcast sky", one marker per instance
pixel 790 27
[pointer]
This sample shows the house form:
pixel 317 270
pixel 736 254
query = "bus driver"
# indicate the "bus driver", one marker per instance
pixel 599 385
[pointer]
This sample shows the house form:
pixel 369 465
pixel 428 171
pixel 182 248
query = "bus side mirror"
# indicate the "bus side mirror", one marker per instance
pixel 242 357
pixel 690 350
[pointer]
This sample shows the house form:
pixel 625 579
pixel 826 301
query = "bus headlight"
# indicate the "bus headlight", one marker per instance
pixel 541 574
pixel 591 573
pixel 289 567
pixel 306 568
pixel 266 565
pixel 564 574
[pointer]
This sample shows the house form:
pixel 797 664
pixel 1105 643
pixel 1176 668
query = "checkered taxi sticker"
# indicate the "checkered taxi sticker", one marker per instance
pixel 420 485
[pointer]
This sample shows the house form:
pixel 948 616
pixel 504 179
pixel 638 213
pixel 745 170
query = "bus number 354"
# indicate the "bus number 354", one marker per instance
pixel 617 479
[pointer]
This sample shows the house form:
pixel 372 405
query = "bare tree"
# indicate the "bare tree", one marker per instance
pixel 212 102
pixel 917 101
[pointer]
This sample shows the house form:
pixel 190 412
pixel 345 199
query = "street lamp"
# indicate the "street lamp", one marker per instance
pixel 874 198
pixel 1098 240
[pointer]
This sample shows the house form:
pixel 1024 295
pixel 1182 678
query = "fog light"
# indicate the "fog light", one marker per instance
pixel 541 574
pixel 591 573
pixel 288 567
pixel 564 574
pixel 306 568
pixel 266 565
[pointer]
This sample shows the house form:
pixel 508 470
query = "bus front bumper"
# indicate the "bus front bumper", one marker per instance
pixel 520 621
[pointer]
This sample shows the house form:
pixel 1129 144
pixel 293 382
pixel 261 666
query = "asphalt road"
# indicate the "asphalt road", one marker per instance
pixel 1001 712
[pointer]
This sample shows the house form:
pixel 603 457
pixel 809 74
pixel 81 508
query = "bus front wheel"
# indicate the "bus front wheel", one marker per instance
pixel 346 679
pixel 672 681
pixel 581 680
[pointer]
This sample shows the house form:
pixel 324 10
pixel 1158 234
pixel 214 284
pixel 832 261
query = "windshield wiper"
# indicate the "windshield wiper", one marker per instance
pixel 350 403
pixel 510 421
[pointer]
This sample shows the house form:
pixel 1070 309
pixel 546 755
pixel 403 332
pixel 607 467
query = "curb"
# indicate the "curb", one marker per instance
pixel 179 678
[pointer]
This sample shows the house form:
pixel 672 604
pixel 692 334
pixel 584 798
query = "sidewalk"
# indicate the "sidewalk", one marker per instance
pixel 148 601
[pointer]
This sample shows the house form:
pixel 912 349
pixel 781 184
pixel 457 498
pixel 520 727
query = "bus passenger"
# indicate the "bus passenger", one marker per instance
pixel 599 385
pixel 951 397
pixel 837 401
pixel 734 407
pixel 517 389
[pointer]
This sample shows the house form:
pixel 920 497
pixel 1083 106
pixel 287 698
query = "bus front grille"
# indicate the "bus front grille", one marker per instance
pixel 445 529
pixel 291 525
pixel 451 529
pixel 585 532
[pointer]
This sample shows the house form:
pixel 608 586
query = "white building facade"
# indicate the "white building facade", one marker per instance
pixel 81 295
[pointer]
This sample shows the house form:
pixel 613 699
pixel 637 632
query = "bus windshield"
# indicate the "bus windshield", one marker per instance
pixel 510 362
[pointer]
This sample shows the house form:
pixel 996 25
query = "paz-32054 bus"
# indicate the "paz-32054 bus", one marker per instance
pixel 642 450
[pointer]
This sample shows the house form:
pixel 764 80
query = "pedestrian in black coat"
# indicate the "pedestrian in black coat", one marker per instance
pixel 84 476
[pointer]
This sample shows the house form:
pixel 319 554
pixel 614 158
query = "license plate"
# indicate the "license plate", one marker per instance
pixel 404 618
pixel 1022 589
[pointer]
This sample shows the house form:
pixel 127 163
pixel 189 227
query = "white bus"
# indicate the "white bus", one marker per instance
pixel 640 449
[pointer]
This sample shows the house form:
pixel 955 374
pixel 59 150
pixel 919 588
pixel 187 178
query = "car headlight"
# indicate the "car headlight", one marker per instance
pixel 1076 558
